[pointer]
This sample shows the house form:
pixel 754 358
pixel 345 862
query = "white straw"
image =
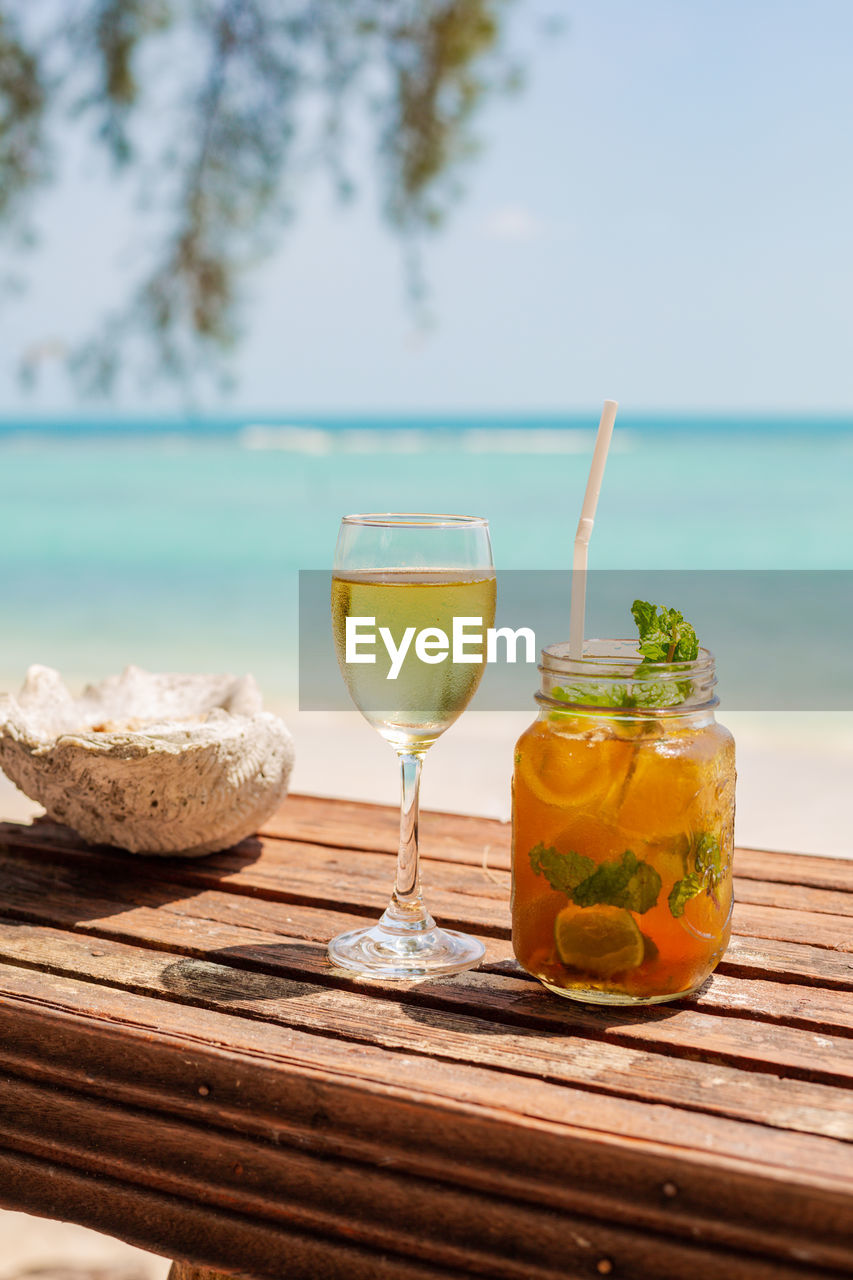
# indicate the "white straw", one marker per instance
pixel 587 519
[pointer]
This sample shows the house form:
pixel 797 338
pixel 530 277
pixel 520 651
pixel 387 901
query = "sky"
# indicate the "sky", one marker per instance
pixel 662 216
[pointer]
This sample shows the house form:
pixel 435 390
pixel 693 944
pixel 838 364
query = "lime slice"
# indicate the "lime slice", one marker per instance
pixel 600 940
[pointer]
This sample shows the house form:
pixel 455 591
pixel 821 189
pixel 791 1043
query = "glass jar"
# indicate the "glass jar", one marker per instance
pixel 623 827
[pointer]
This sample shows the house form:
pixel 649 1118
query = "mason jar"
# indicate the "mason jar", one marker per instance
pixel 623 827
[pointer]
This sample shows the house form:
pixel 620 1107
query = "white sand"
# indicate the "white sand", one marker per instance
pixel 794 772
pixel 27 1242
pixel 794 780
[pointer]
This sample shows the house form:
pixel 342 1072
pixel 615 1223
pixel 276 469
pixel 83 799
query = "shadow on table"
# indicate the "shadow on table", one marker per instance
pixel 539 1014
pixel 41 874
pixel 466 1004
pixel 228 977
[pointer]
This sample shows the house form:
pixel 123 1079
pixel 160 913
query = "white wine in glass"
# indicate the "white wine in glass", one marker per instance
pixel 410 574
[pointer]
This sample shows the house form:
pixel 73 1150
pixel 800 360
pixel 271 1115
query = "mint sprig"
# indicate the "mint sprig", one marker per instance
pixel 626 882
pixel 665 636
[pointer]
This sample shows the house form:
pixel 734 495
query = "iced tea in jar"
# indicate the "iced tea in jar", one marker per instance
pixel 623 827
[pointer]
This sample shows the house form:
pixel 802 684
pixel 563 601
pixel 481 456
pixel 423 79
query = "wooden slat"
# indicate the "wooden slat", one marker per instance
pixel 177 1227
pixel 209 921
pixel 350 824
pixel 448 837
pixel 417 1217
pixel 121 907
pixel 134 979
pixel 815 929
pixel 795 897
pixel 282 871
pixel 61 894
pixel 813 1008
pixel 137 1051
pixel 796 868
pixel 634 1060
pixel 257 1250
pixel 70 894
pixel 784 961
pixel 472 841
pixel 136 910
pixel 463 897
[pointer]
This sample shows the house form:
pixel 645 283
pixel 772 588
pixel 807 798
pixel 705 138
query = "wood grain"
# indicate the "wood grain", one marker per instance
pixel 621 1063
pixel 460 896
pixel 180 1065
pixel 331 1107
pixel 459 837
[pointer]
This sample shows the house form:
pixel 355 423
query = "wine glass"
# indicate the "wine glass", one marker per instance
pixel 397 576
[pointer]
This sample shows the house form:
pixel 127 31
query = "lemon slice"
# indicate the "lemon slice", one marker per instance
pixel 600 940
pixel 562 770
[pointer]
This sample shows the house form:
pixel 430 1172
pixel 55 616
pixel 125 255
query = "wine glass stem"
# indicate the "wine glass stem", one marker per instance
pixel 406 909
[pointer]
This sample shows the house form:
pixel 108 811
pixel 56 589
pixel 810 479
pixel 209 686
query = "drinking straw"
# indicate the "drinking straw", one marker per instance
pixel 587 519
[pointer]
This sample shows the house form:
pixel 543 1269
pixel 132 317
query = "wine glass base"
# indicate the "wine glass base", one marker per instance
pixel 377 952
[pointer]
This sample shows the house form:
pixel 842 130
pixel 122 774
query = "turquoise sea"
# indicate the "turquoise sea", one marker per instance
pixel 176 544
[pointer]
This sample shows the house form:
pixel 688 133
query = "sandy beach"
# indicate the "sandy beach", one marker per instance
pixel 794 772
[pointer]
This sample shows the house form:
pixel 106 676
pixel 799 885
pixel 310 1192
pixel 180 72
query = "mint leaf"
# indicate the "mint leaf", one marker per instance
pixel 563 871
pixel 619 695
pixel 646 617
pixel 703 867
pixel 659 693
pixel 627 883
pixel 681 893
pixel 665 636
pixel 707 855
pixel 614 694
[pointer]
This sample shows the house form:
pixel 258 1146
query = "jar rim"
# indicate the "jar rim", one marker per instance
pixel 605 681
pixel 415 519
pixel 618 657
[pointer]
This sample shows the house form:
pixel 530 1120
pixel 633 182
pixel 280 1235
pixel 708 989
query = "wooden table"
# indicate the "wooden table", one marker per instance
pixel 180 1067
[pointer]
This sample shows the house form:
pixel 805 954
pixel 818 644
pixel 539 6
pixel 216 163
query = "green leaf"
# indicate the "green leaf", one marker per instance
pixel 707 855
pixel 659 693
pixel 611 694
pixel 665 636
pixel 563 871
pixel 627 883
pixel 645 615
pixel 703 867
pixel 681 893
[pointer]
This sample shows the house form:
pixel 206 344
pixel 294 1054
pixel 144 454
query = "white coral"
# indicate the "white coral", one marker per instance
pixel 165 764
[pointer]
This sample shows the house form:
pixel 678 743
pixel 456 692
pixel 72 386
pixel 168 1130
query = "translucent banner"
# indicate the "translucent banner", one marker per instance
pixel 781 637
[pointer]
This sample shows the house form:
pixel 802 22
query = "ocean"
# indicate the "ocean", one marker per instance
pixel 175 545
